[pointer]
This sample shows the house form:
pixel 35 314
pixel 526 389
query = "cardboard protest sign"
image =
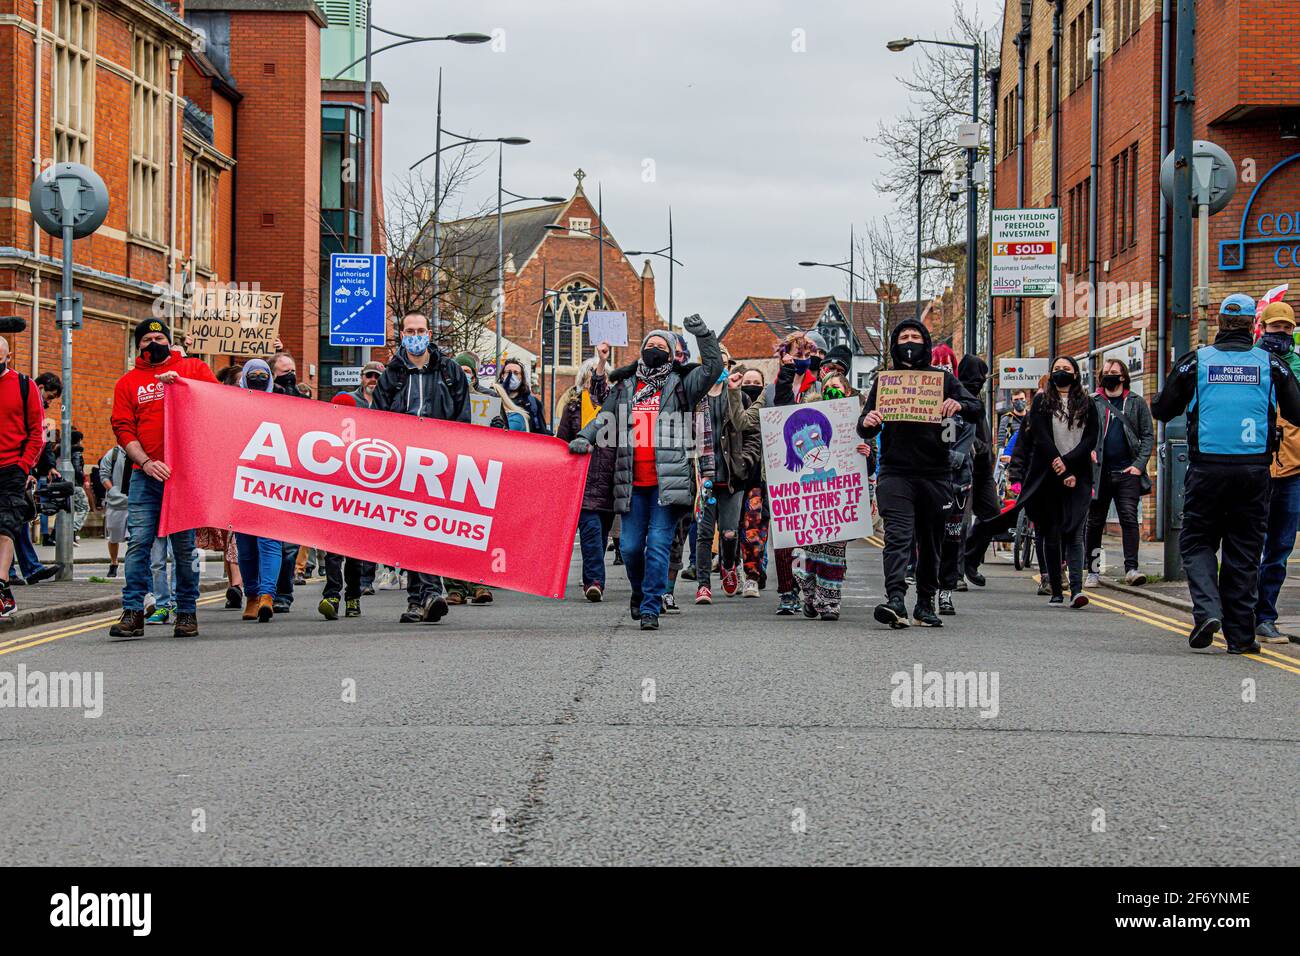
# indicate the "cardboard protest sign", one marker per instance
pixel 910 396
pixel 229 320
pixel 816 478
pixel 608 327
pixel 483 408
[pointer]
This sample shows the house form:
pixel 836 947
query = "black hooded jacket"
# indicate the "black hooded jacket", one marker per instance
pixel 973 372
pixel 918 449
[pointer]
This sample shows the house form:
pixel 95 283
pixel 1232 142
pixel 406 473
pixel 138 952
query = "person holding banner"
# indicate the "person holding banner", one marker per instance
pixel 912 412
pixel 138 426
pixel 422 382
pixel 578 406
pixel 260 559
pixel 648 419
pixel 364 394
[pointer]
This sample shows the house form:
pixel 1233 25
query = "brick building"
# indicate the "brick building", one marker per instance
pixel 181 108
pixel 1247 99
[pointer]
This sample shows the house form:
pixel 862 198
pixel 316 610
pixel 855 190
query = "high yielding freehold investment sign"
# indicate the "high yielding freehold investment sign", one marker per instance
pixel 1026 257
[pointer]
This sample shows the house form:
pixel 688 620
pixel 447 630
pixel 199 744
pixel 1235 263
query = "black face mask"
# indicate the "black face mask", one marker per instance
pixel 158 352
pixel 654 358
pixel 258 383
pixel 1063 378
pixel 752 391
pixel 1018 405
pixel 814 364
pixel 1279 343
pixel 1110 382
pixel 288 381
pixel 907 353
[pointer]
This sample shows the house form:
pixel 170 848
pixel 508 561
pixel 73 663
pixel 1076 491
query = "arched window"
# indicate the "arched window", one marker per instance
pixel 572 306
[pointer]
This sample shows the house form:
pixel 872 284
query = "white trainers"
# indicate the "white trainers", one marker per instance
pixel 1093 580
pixel 750 590
pixel 1135 578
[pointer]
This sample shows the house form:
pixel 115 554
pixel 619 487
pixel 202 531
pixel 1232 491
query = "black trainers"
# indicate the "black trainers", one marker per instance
pixel 45 573
pixel 650 622
pixel 329 608
pixel 809 612
pixel 352 607
pixel 1251 648
pixel 1056 602
pixel 636 607
pixel 414 614
pixel 946 607
pixel 961 585
pixel 974 577
pixel 923 615
pixel 112 573
pixel 7 603
pixel 234 599
pixel 670 605
pixel 434 609
pixel 893 612
pixel 1203 633
pixel 830 615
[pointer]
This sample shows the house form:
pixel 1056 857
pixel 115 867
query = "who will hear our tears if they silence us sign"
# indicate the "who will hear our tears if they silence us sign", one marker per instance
pixel 816 477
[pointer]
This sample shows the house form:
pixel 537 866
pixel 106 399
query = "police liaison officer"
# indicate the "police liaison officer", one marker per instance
pixel 1231 391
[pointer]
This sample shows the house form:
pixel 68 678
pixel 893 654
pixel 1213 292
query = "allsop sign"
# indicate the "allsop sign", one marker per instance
pixel 1026 252
pixel 230 320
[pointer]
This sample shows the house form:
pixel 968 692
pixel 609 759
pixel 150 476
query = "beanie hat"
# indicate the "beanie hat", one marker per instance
pixel 151 325
pixel 817 339
pixel 469 360
pixel 344 398
pixel 1277 312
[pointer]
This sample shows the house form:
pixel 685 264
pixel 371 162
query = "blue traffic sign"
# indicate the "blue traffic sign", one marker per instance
pixel 358 299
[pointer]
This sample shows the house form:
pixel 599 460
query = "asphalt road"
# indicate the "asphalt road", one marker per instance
pixel 527 732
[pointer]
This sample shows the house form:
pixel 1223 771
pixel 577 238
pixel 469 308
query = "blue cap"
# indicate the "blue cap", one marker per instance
pixel 1237 304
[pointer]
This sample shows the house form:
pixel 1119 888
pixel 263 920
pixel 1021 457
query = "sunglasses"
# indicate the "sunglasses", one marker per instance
pixel 370 375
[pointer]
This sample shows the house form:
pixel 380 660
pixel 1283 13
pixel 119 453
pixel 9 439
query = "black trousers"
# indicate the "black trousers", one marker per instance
pixel 913 509
pixel 952 545
pixel 343 575
pixel 1225 507
pixel 984 494
pixel 1124 490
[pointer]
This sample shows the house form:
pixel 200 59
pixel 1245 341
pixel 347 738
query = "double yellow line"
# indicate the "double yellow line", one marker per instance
pixel 876 540
pixel 71 630
pixel 1174 625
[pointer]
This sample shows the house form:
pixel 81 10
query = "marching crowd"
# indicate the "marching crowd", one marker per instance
pixel 677 475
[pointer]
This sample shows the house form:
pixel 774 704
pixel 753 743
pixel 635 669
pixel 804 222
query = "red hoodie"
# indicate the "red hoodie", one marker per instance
pixel 20 441
pixel 137 400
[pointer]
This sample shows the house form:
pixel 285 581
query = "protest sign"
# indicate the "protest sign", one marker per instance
pixel 910 396
pixel 483 408
pixel 608 327
pixel 816 478
pixel 230 320
pixel 440 497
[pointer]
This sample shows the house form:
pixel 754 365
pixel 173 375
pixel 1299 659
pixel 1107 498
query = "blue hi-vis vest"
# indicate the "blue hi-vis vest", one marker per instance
pixel 1234 393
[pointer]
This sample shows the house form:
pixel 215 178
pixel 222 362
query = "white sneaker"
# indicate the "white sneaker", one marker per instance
pixel 1135 577
pixel 750 589
pixel 1093 580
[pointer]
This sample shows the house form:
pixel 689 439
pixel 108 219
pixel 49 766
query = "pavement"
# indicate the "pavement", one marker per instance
pixel 534 732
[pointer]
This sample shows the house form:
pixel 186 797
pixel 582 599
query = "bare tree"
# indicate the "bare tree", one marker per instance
pixel 887 255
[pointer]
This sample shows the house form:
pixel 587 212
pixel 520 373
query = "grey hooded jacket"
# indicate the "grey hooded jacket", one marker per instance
pixel 674 427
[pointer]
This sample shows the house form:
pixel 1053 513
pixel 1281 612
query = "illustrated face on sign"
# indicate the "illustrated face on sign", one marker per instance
pixel 807 445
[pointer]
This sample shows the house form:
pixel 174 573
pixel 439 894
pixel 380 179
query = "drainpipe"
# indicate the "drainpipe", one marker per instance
pixel 38 45
pixel 175 56
pixel 1162 349
pixel 1022 42
pixel 993 76
pixel 1053 304
pixel 1093 178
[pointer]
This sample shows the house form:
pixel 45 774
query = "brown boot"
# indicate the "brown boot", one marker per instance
pixel 482 595
pixel 250 608
pixel 265 608
pixel 455 597
pixel 187 625
pixel 128 628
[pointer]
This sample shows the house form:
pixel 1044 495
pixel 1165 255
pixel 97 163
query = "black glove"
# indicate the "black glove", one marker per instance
pixel 580 446
pixel 695 325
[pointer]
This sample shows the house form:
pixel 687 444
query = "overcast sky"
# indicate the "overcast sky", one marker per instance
pixel 764 153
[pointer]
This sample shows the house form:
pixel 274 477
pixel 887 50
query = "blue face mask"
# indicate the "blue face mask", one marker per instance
pixel 416 344
pixel 1279 343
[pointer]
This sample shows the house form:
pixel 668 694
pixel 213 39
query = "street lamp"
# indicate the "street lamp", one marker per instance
pixel 841 267
pixel 367 211
pixel 972 238
pixel 667 253
pixel 499 297
pixel 548 294
pixel 922 172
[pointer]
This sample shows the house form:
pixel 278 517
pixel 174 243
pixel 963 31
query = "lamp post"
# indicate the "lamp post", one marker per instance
pixel 972 226
pixel 499 296
pixel 922 171
pixel 404 39
pixel 843 267
pixel 599 234
pixel 666 253
pixel 547 295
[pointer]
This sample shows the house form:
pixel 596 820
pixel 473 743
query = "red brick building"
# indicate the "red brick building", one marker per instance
pixel 204 119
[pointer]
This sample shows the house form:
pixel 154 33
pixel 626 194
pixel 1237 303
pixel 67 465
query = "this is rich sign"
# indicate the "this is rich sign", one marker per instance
pixel 441 497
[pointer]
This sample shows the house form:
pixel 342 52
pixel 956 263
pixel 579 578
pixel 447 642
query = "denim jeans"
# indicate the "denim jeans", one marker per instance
pixel 647 539
pixel 163 585
pixel 28 560
pixel 420 586
pixel 259 563
pixel 284 581
pixel 144 507
pixel 593 534
pixel 1283 520
pixel 724 515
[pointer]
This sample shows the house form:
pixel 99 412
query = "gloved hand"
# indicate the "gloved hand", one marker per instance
pixel 580 446
pixel 695 325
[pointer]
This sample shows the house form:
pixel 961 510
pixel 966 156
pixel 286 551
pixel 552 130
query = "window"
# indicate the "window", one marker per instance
pixel 1132 194
pixel 575 225
pixel 1127 14
pixel 1080 48
pixel 74 80
pixel 342 174
pixel 573 306
pixel 1038 101
pixel 1078 227
pixel 148 138
pixel 205 198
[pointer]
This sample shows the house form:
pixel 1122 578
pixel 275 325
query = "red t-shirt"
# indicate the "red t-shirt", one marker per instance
pixel 21 440
pixel 137 401
pixel 644 415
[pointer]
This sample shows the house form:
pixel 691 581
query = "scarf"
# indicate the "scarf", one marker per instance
pixel 652 379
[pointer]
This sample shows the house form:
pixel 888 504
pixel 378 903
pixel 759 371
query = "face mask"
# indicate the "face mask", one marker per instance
pixel 1018 404
pixel 288 381
pixel 654 357
pixel 907 353
pixel 832 392
pixel 4 367
pixel 752 391
pixel 814 363
pixel 1062 378
pixel 1279 343
pixel 1110 382
pixel 416 344
pixel 258 382
pixel 511 382
pixel 158 352
pixel 801 365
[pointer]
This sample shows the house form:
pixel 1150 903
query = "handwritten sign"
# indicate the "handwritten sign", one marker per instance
pixel 608 327
pixel 816 478
pixel 483 408
pixel 229 320
pixel 910 396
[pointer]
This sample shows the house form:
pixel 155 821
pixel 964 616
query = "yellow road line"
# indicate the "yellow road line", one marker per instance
pixel 58 633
